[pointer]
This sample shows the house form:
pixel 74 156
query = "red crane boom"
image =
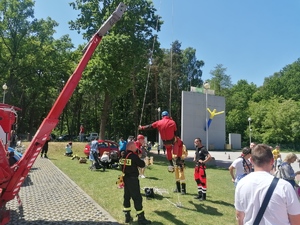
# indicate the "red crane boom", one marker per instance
pixel 12 177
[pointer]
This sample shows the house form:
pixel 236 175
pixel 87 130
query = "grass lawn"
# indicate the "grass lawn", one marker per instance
pixel 101 186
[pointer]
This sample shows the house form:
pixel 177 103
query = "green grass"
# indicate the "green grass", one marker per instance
pixel 101 186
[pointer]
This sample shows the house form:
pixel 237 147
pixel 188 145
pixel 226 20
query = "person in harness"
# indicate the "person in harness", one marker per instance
pixel 167 129
pixel 179 173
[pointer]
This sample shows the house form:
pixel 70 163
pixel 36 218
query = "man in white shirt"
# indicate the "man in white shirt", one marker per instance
pixel 283 207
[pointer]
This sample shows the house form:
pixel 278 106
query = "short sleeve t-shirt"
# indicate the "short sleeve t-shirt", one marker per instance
pixel 238 165
pixel 275 153
pixel 251 191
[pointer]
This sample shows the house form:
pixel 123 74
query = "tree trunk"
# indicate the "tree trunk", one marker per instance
pixel 104 115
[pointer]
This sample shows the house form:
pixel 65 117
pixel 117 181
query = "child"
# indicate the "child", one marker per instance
pixel 69 151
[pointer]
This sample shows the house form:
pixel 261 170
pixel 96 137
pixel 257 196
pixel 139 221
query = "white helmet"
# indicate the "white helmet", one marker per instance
pixel 171 169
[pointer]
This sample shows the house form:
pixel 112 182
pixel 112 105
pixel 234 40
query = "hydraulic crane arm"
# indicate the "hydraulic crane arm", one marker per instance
pixel 14 176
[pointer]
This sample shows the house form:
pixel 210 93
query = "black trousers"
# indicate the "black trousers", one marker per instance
pixel 132 190
pixel 45 148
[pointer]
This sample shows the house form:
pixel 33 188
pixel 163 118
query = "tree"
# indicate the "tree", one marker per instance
pixel 276 120
pixel 192 68
pixel 220 80
pixel 283 83
pixel 31 59
pixel 237 107
pixel 123 53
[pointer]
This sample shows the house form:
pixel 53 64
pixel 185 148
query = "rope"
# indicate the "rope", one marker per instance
pixel 149 70
pixel 161 192
pixel 171 72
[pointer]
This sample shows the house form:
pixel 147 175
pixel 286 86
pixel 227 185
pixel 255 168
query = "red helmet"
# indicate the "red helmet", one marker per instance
pixel 140 136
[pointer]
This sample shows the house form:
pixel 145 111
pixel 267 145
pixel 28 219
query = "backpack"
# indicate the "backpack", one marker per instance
pixel 279 173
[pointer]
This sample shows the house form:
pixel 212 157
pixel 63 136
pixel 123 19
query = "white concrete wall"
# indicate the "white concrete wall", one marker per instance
pixel 193 119
pixel 235 140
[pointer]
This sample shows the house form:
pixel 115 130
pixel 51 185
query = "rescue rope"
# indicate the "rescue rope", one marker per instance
pixel 149 69
pixel 171 69
pixel 161 192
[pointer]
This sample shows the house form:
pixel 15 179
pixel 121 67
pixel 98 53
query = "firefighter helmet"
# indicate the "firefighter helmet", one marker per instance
pixel 164 113
pixel 140 136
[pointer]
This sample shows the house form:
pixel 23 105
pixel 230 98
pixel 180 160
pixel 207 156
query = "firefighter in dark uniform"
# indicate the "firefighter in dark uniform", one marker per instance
pixel 201 157
pixel 168 129
pixel 129 165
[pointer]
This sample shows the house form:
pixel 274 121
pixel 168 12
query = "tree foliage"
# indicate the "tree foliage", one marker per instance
pixel 220 81
pixel 31 61
pixel 122 55
pixel 129 76
pixel 276 120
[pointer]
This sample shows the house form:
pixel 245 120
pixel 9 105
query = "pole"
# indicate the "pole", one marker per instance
pixel 250 132
pixel 3 97
pixel 249 120
pixel 206 114
pixel 158 117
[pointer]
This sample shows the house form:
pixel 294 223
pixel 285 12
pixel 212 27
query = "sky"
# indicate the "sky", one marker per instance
pixel 252 39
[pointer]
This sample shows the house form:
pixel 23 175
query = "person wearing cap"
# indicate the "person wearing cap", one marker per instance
pixel 141 152
pixel 241 165
pixel 167 129
pixel 130 163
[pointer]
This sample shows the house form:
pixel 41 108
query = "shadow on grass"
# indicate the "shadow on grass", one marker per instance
pixel 220 203
pixel 153 178
pixel 168 216
pixel 205 209
pixel 156 197
pixel 162 161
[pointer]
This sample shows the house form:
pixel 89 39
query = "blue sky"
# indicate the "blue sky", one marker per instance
pixel 251 38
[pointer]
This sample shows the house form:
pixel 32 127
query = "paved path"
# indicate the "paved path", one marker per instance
pixel 50 197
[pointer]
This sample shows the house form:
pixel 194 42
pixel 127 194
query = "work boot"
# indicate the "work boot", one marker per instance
pixel 42 155
pixel 142 220
pixel 45 156
pixel 199 196
pixel 203 198
pixel 177 189
pixel 183 188
pixel 128 218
